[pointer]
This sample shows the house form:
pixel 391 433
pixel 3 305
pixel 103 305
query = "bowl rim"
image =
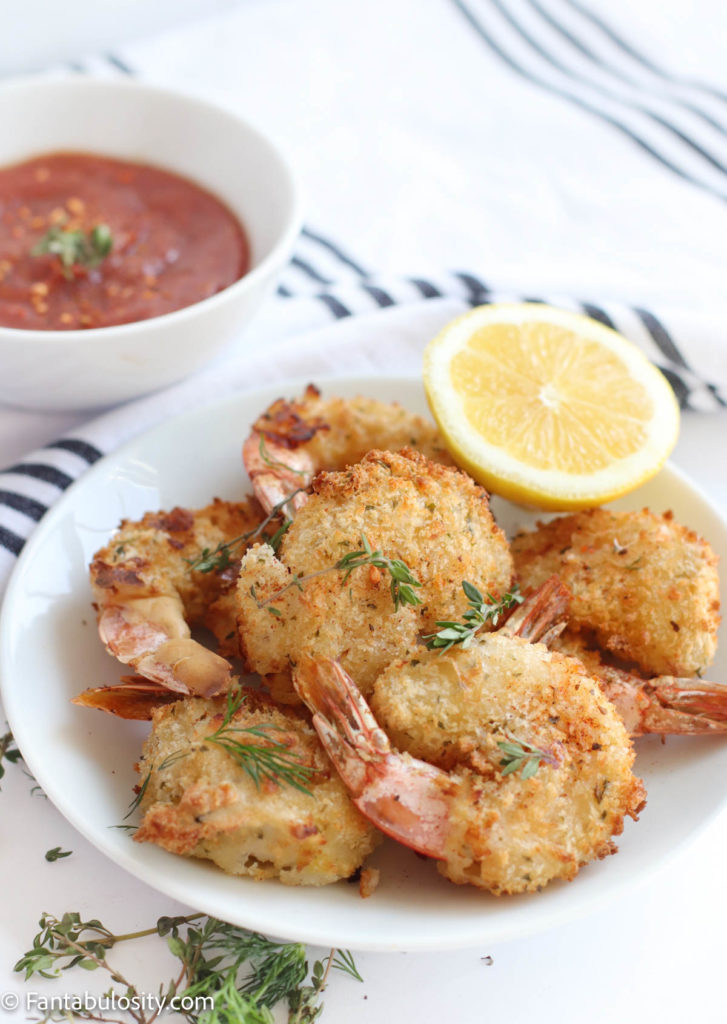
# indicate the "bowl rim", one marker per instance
pixel 278 251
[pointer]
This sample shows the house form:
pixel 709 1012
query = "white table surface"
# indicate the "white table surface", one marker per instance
pixel 656 954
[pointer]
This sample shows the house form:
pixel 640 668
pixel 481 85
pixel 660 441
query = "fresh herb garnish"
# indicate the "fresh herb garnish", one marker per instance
pixel 273 761
pixel 234 975
pixel 139 796
pixel 525 756
pixel 479 613
pixel 75 248
pixel 226 551
pixel 9 751
pixel 56 853
pixel 274 463
pixel 403 581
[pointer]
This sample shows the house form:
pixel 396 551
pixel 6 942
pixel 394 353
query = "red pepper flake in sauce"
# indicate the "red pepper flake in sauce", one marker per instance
pixel 158 222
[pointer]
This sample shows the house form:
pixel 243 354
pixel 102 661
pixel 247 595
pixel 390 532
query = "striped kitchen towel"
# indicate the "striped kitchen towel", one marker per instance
pixel 374 326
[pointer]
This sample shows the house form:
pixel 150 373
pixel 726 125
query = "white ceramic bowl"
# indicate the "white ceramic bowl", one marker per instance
pixel 216 149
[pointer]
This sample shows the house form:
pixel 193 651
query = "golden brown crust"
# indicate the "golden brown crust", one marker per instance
pixel 337 432
pixel 199 802
pixel 509 834
pixel 646 586
pixel 150 559
pixel 434 518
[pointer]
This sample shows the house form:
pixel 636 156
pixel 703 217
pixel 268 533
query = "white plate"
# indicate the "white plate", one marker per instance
pixel 49 651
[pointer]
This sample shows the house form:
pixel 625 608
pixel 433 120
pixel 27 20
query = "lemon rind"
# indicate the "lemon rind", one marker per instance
pixel 499 471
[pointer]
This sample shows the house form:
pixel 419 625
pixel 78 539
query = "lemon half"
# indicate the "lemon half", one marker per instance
pixel 547 407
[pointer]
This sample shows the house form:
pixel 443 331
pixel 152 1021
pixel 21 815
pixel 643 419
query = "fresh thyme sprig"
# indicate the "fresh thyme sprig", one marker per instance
pixel 525 756
pixel 478 614
pixel 237 975
pixel 403 581
pixel 272 761
pixel 75 248
pixel 224 554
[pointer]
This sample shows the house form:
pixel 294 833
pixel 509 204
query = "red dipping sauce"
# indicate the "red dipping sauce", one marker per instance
pixel 173 243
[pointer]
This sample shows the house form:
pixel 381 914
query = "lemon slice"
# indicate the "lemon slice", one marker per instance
pixel 548 408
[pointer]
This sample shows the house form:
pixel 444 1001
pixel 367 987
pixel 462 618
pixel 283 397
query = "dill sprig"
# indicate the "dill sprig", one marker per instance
pixel 480 612
pixel 520 755
pixel 225 553
pixel 403 581
pixel 345 962
pixel 236 975
pixel 272 761
pixel 75 248
pixel 139 796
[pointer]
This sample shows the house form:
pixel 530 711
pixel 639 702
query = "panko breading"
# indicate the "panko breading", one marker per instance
pixel 148 595
pixel 644 585
pixel 198 802
pixel 433 518
pixel 292 441
pixel 337 432
pixel 507 833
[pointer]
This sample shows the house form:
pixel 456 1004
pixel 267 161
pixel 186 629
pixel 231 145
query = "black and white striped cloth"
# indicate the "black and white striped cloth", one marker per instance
pixel 536 140
pixel 373 342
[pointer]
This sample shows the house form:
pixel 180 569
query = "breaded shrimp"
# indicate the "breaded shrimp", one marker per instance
pixel 433 518
pixel 644 585
pixel 199 802
pixel 661 704
pixel 147 594
pixel 451 783
pixel 294 440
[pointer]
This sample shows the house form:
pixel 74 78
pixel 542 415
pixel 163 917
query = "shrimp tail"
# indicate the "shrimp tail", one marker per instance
pixel 667 704
pixel 134 697
pixel 404 797
pixel 277 472
pixel 543 614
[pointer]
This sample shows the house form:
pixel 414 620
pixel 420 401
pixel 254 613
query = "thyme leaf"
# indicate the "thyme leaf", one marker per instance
pixel 56 853
pixel 403 581
pixel 75 248
pixel 226 551
pixel 9 751
pixel 480 611
pixel 523 757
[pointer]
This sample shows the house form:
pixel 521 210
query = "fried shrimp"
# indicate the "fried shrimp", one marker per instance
pixel 293 440
pixel 198 801
pixel 503 761
pixel 646 587
pixel 432 518
pixel 662 704
pixel 147 594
